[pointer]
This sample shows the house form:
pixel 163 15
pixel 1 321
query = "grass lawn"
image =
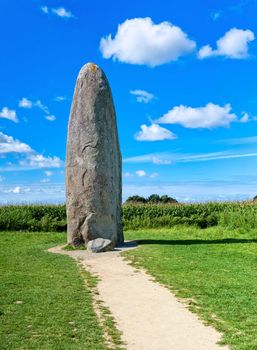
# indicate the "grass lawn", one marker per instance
pixel 214 269
pixel 44 303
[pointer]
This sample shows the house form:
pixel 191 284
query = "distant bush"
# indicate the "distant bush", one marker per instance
pixel 152 199
pixel 136 199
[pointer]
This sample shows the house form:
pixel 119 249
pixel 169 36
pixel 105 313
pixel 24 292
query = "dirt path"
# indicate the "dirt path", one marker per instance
pixel 148 315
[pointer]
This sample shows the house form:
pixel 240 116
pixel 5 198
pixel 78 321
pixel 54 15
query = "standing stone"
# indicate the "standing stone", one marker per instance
pixel 93 162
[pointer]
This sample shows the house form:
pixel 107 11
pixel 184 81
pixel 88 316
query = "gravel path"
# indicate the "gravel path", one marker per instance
pixel 148 314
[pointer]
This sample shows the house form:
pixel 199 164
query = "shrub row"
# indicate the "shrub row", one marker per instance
pixel 135 216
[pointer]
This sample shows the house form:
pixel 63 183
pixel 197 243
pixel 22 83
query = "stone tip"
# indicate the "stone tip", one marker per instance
pixel 91 69
pixel 90 66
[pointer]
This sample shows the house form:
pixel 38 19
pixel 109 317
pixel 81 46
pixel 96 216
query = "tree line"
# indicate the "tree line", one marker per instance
pixel 152 199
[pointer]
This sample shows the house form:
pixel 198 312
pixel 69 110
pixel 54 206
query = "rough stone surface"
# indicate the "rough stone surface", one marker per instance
pixel 100 245
pixel 93 162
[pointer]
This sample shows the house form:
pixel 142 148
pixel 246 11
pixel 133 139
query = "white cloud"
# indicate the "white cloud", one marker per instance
pixel 62 12
pixel 209 116
pixel 48 173
pixel 25 103
pixel 9 145
pixel 9 114
pixel 140 41
pixel 204 157
pixel 245 118
pixel 44 9
pixel 45 180
pixel 41 106
pixel 38 161
pixel 128 174
pixel 51 118
pixel 161 161
pixel 142 96
pixel 239 141
pixel 16 190
pixel 234 44
pixel 60 98
pixel 154 132
pixel 140 173
pixel 35 193
pixel 150 158
pixel 30 158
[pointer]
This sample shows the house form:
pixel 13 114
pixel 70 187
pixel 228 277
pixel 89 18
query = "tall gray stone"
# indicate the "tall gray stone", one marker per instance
pixel 93 162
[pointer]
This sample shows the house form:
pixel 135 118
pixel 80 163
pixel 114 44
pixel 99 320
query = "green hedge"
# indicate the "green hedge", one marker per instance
pixel 135 216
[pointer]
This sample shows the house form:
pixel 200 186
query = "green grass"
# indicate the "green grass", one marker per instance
pixel 214 269
pixel 44 303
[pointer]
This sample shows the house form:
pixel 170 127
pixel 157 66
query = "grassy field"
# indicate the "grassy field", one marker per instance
pixel 214 270
pixel 44 303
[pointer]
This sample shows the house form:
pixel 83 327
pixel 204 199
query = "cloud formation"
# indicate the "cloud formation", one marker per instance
pixel 51 118
pixel 239 141
pixel 38 161
pixel 58 11
pixel 160 161
pixel 30 158
pixel 60 98
pixel 207 117
pixel 142 96
pixel 9 114
pixel 44 9
pixel 140 41
pixel 234 44
pixel 62 12
pixel 154 132
pixel 140 173
pixel 190 158
pixel 26 103
pixel 9 145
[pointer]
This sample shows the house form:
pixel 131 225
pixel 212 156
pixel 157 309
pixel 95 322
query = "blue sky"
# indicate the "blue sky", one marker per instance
pixel 183 76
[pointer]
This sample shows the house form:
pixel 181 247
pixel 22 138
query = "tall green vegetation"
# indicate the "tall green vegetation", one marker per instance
pixel 33 218
pixel 136 215
pixel 233 215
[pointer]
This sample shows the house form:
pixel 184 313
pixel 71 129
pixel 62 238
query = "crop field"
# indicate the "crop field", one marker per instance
pixel 46 218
